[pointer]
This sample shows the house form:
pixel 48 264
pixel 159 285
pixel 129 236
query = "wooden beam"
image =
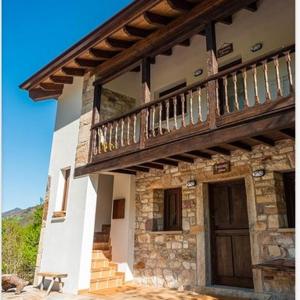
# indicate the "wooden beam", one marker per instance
pixel 202 32
pixel 136 69
pixel 210 34
pixel 153 166
pixel 289 133
pixel 40 94
pixel 102 54
pixel 138 168
pixel 167 52
pixel 49 86
pixel 200 154
pixel 182 158
pixel 241 145
pixel 226 20
pixel 120 44
pixel 156 20
pixel 61 79
pixel 185 43
pixel 124 171
pixel 252 6
pixel 136 32
pixel 73 71
pixel 180 5
pixel 264 140
pixel 87 63
pixel 219 150
pixel 165 161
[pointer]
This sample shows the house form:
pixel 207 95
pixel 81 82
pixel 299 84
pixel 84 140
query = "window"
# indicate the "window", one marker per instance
pixel 172 209
pixel 66 174
pixel 289 192
pixel 119 209
pixel 169 91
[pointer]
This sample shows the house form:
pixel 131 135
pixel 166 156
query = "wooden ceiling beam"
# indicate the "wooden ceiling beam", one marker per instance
pixel 102 54
pixel 138 168
pixel 165 161
pixel 219 150
pixel 226 20
pixel 61 79
pixel 180 5
pixel 136 32
pixel 124 171
pixel 40 94
pixel 49 86
pixel 263 140
pixel 73 71
pixel 156 20
pixel 241 145
pixel 252 7
pixel 152 166
pixel 120 44
pixel 289 133
pixel 185 43
pixel 136 69
pixel 167 52
pixel 182 158
pixel 200 154
pixel 87 63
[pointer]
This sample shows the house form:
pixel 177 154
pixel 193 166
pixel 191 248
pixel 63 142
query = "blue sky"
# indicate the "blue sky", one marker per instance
pixel 33 33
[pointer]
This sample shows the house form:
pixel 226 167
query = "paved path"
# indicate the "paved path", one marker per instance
pixel 129 292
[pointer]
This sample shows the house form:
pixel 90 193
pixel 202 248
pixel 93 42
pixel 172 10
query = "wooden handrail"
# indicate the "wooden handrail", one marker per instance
pixel 246 65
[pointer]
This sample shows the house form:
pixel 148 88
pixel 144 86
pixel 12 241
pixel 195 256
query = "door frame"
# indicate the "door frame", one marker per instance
pixel 203 266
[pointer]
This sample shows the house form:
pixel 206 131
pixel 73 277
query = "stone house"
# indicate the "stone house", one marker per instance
pixel 173 158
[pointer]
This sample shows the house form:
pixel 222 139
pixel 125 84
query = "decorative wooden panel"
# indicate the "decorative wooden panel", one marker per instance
pixel 119 209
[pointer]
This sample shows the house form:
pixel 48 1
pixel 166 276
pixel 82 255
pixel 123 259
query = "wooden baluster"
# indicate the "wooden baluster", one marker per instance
pixel 254 72
pixel 105 139
pixel 276 64
pixel 265 67
pixel 167 114
pixel 289 69
pixel 217 98
pixel 175 112
pixel 160 116
pixel 191 108
pixel 116 135
pixel 153 120
pixel 200 116
pixel 236 100
pixel 225 83
pixel 98 140
pixel 128 130
pixel 245 88
pixel 182 98
pixel 134 128
pixel 147 124
pixel 110 125
pixel 122 132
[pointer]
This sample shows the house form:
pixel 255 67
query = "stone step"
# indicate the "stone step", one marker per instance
pixel 100 254
pixel 100 263
pixel 101 246
pixel 105 283
pixel 99 273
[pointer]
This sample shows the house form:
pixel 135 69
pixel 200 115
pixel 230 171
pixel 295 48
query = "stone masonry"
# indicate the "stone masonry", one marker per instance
pixel 172 259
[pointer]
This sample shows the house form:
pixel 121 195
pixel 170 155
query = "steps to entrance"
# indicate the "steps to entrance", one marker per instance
pixel 104 273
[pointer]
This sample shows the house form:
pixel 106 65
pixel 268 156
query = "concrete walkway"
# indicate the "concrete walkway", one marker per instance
pixel 129 292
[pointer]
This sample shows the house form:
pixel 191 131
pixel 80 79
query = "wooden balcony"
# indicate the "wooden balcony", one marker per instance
pixel 249 104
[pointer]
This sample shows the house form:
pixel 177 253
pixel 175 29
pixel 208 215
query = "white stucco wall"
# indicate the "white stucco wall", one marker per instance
pixel 68 241
pixel 122 230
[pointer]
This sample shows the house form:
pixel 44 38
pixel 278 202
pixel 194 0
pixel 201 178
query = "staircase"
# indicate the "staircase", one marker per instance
pixel 104 273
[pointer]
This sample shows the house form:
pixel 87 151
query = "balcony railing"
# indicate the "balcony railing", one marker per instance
pixel 238 92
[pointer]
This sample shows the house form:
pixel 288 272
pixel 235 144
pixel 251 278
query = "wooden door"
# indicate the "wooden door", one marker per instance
pixel 172 209
pixel 231 253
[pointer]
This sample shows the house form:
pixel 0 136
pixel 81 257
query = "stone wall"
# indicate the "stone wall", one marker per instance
pixel 182 258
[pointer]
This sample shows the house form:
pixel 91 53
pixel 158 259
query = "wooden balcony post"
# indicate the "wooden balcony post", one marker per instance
pixel 212 69
pixel 146 97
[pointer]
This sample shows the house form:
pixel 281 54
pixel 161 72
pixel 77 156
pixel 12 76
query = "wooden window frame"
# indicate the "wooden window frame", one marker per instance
pixel 167 225
pixel 289 193
pixel 118 209
pixel 66 175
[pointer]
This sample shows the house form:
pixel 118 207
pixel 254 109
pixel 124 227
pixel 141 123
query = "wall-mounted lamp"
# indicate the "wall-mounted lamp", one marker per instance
pixel 259 173
pixel 191 183
pixel 198 72
pixel 256 47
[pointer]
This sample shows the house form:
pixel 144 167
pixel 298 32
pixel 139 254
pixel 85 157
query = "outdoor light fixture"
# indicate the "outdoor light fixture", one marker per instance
pixel 191 183
pixel 259 173
pixel 256 47
pixel 198 72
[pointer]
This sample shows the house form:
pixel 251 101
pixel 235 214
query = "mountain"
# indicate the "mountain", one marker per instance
pixel 23 215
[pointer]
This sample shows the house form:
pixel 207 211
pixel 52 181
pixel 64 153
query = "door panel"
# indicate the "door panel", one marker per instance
pixel 231 252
